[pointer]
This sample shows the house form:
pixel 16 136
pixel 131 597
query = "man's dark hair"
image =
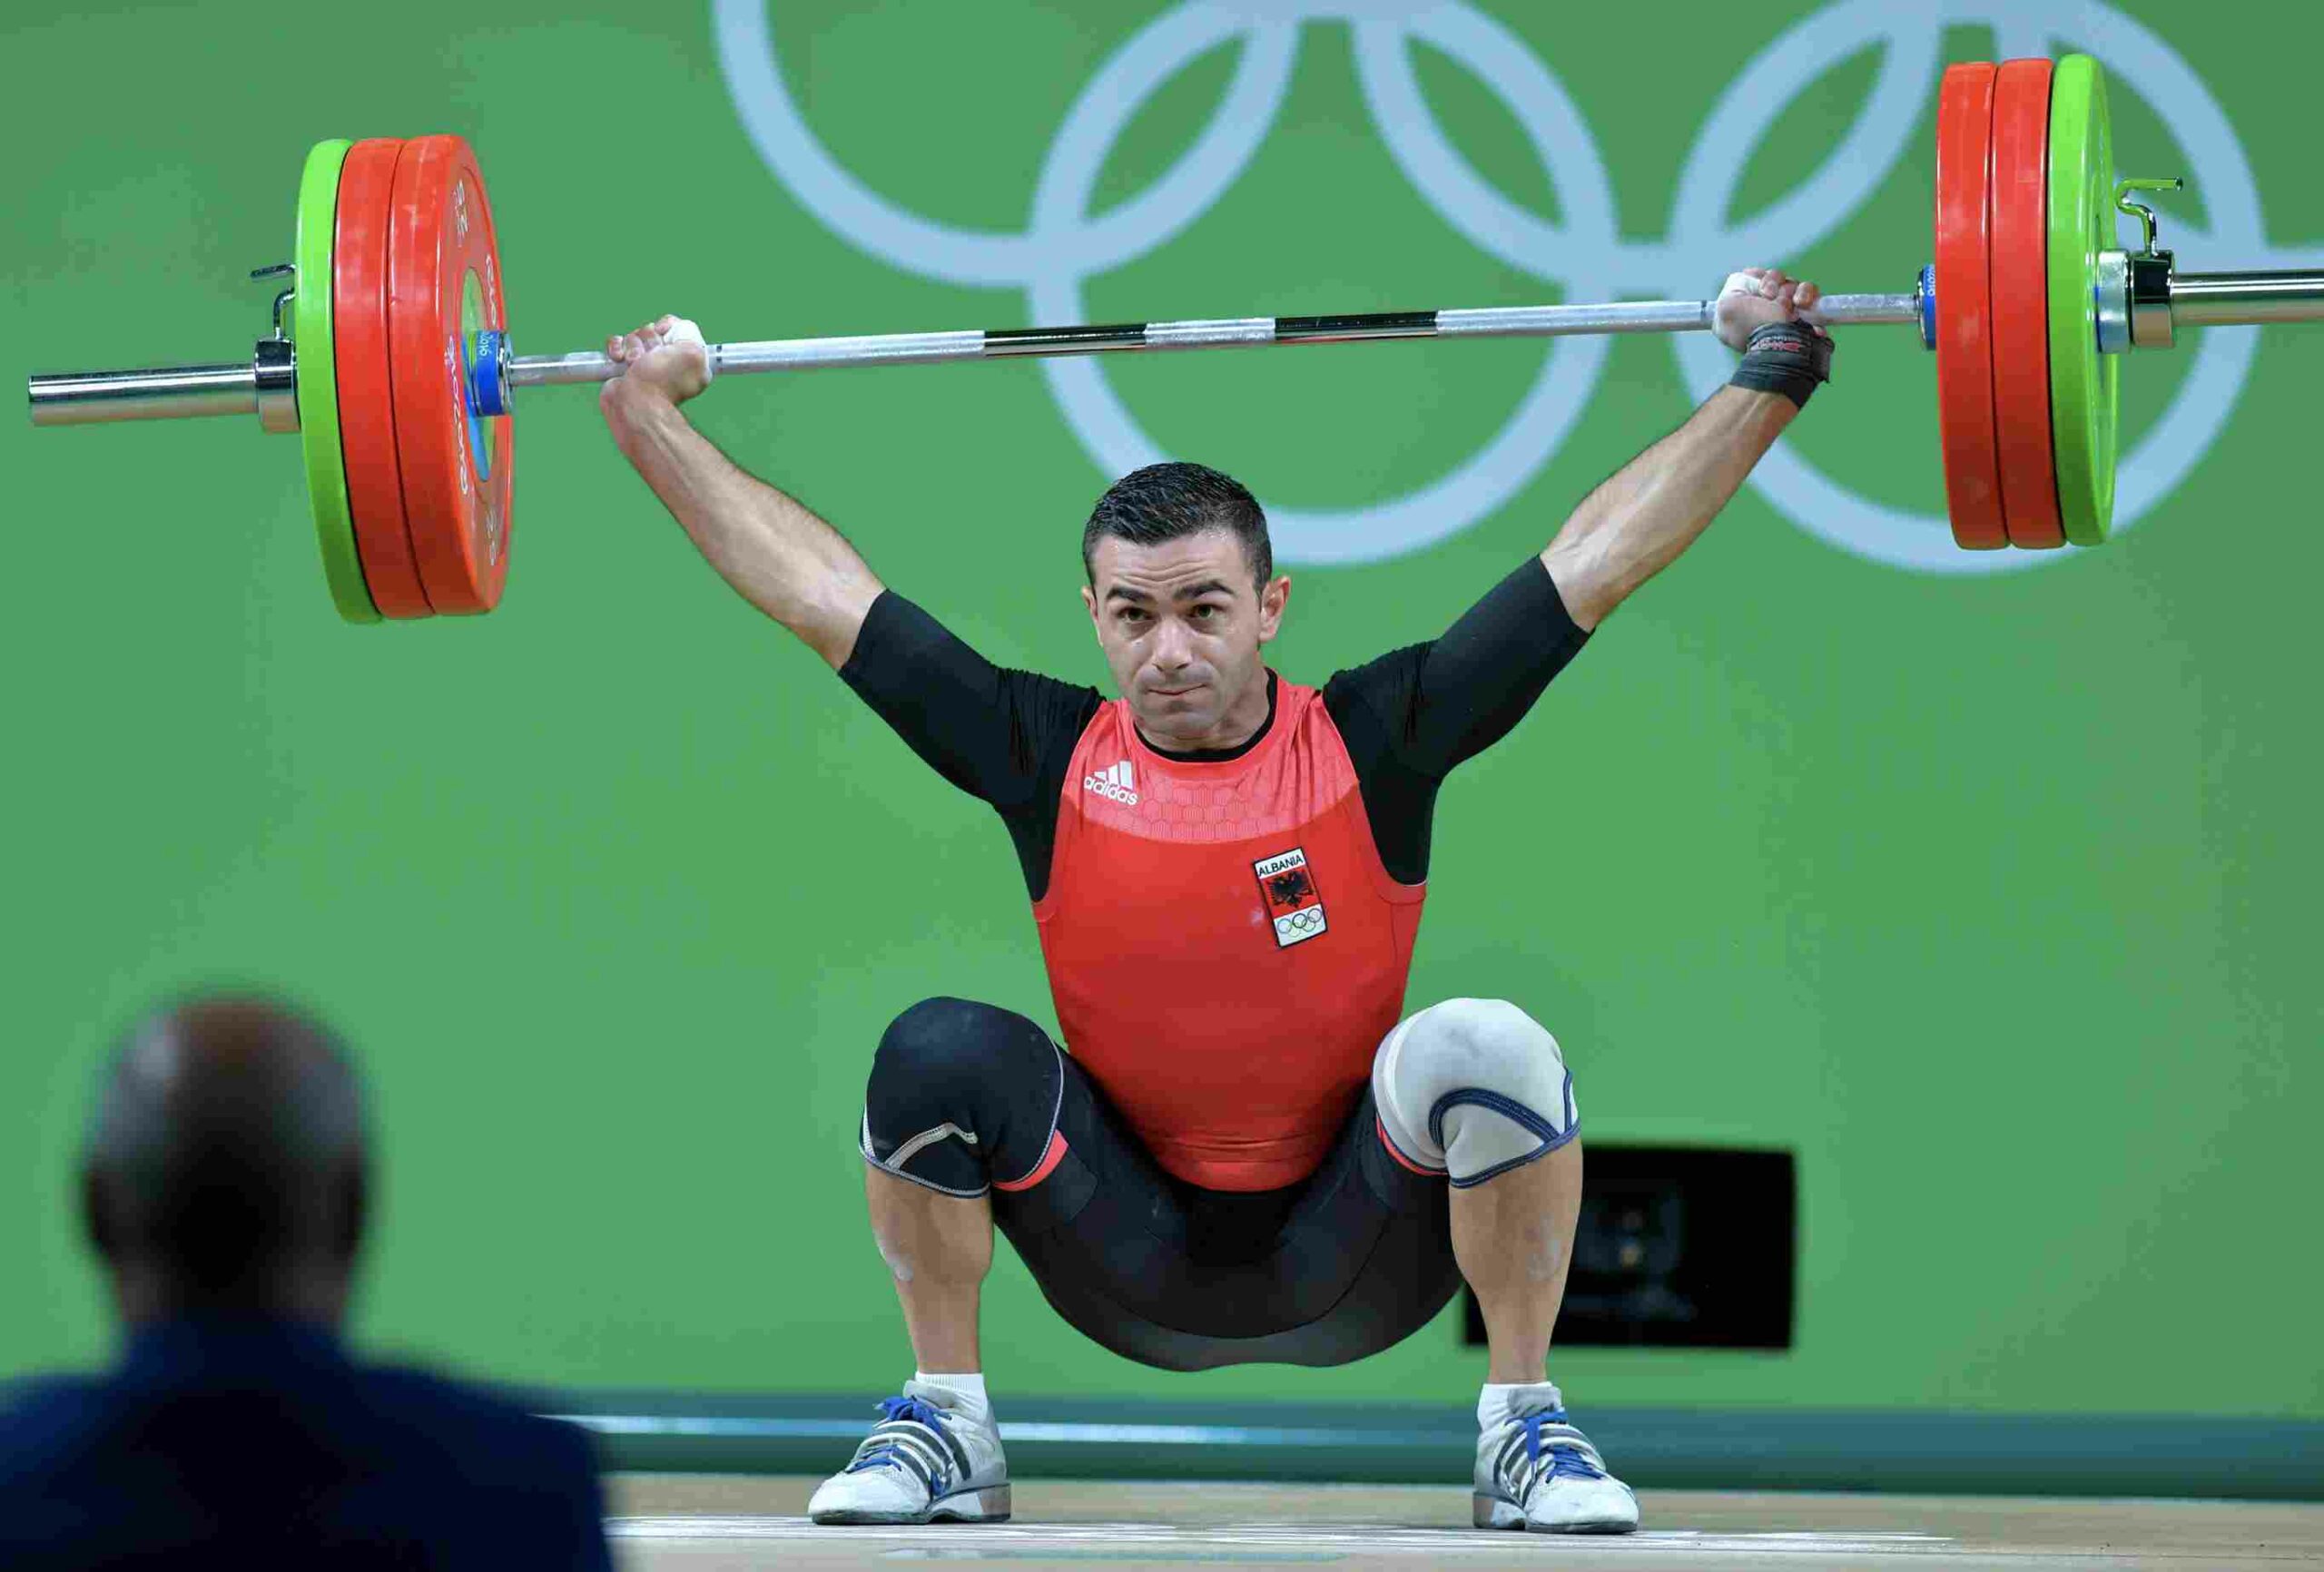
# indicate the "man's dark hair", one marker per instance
pixel 227 1150
pixel 1167 501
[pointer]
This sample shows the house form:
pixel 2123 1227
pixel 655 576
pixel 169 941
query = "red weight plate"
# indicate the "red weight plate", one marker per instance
pixel 2021 303
pixel 367 418
pixel 443 290
pixel 1965 367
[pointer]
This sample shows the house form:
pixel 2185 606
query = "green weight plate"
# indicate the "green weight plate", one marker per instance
pixel 2084 385
pixel 310 327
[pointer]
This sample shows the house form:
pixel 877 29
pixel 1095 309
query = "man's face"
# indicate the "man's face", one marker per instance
pixel 1181 626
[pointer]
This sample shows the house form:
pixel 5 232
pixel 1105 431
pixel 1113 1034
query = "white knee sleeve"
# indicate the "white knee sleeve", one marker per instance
pixel 1472 1087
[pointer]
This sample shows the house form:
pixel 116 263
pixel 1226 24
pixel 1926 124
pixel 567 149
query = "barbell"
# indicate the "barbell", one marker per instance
pixel 394 364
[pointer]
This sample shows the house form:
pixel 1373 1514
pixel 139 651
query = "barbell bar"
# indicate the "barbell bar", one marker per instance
pixel 179 392
pixel 408 362
pixel 231 387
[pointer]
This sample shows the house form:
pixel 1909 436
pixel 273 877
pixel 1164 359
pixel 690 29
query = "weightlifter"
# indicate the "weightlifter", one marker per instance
pixel 1243 1150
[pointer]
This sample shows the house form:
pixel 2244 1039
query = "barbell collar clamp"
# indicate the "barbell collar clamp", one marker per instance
pixel 2149 300
pixel 282 296
pixel 2111 302
pixel 274 383
pixel 2140 211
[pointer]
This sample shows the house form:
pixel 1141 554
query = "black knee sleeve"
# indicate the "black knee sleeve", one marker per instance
pixel 962 1096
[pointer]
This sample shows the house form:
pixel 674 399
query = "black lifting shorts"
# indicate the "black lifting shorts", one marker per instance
pixel 1351 1260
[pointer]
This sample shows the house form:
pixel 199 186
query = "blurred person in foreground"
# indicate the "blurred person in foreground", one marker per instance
pixel 225 1189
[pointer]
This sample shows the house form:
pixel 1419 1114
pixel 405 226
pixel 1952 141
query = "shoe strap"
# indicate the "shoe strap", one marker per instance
pixel 916 1434
pixel 1545 1445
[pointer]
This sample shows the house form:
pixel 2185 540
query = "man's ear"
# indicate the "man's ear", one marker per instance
pixel 1097 623
pixel 1274 597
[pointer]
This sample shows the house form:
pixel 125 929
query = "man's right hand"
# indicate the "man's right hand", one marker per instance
pixel 665 360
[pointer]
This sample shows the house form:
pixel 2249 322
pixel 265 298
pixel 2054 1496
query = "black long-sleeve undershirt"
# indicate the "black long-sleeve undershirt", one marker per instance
pixel 1408 718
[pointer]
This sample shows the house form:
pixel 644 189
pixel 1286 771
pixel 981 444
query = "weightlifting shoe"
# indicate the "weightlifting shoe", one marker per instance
pixel 928 1461
pixel 1537 1471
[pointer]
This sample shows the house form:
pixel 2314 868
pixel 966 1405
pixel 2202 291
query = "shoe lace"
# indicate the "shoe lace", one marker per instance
pixel 884 1451
pixel 1566 1459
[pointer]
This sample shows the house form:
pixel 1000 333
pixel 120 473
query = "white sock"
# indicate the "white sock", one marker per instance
pixel 1498 1404
pixel 967 1392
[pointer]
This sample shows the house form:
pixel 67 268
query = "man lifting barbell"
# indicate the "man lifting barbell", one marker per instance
pixel 1239 1154
pixel 1206 1179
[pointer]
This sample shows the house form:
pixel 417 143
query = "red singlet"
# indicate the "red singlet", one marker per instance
pixel 1224 947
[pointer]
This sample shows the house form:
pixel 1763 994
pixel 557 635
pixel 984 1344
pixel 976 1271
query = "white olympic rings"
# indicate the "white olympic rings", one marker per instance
pixel 1583 251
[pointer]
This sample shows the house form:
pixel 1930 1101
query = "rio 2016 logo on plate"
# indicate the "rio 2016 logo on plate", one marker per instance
pixel 1583 251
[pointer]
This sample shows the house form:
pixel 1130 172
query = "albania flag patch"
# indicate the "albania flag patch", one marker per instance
pixel 1293 905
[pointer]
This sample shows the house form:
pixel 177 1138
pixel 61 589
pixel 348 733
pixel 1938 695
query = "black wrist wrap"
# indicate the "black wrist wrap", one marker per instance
pixel 1785 358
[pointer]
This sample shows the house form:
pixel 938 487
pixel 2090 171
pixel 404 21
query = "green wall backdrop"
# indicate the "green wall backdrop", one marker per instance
pixel 1991 895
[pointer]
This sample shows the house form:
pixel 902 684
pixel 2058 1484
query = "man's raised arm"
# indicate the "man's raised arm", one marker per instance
pixel 778 555
pixel 1636 524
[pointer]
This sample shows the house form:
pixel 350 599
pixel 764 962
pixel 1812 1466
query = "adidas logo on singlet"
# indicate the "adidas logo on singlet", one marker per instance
pixel 1115 782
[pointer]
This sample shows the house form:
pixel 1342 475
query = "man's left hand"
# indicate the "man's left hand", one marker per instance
pixel 1756 297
